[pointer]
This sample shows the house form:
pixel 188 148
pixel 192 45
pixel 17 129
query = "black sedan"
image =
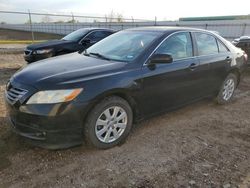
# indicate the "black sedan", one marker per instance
pixel 133 74
pixel 243 43
pixel 78 40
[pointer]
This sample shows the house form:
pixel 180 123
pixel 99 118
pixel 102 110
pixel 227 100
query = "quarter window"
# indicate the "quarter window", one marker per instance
pixel 179 46
pixel 222 47
pixel 206 44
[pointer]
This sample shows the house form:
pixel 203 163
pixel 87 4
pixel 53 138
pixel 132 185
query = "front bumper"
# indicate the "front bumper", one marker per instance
pixel 49 126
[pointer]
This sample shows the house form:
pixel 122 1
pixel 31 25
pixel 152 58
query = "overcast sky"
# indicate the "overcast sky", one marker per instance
pixel 146 9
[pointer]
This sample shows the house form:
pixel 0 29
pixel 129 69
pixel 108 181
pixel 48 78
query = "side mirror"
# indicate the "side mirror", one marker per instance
pixel 161 59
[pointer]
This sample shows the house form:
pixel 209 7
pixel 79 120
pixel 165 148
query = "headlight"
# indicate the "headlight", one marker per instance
pixel 44 51
pixel 54 96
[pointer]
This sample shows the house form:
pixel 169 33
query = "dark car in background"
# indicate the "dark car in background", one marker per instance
pixel 131 75
pixel 78 40
pixel 243 43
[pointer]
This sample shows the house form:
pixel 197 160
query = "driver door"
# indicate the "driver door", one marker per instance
pixel 171 85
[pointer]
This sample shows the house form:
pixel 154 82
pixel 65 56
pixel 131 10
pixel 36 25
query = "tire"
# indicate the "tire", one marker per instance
pixel 102 118
pixel 227 89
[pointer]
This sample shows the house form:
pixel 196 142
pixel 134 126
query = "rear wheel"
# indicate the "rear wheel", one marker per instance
pixel 227 89
pixel 109 123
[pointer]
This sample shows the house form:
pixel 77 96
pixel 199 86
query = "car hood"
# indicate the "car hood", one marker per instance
pixel 70 69
pixel 48 44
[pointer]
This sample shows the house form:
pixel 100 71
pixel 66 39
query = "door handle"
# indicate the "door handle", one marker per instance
pixel 228 59
pixel 193 66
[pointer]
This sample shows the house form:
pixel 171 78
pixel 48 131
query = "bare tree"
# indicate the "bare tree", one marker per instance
pixel 114 17
pixel 46 19
pixel 119 17
pixel 111 16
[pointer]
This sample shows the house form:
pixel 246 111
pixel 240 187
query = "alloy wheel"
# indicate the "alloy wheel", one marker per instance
pixel 111 124
pixel 228 89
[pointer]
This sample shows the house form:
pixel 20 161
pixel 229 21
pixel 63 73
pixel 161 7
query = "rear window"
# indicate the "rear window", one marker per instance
pixel 206 44
pixel 243 44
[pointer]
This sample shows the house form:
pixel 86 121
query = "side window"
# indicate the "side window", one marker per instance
pixel 97 35
pixel 222 47
pixel 206 44
pixel 242 44
pixel 107 33
pixel 178 45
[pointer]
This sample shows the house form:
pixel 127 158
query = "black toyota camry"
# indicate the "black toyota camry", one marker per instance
pixel 78 40
pixel 97 95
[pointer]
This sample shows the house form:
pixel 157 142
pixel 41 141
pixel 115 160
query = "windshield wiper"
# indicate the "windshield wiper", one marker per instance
pixel 97 55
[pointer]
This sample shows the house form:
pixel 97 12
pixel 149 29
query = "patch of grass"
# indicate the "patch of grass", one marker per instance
pixel 20 41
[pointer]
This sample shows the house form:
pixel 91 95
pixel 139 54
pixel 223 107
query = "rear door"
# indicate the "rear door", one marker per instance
pixel 215 57
pixel 170 85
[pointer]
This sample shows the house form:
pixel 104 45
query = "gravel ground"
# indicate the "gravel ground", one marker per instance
pixel 12 49
pixel 200 145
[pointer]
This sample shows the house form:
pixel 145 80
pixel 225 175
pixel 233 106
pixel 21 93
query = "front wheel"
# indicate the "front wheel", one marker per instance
pixel 109 123
pixel 227 89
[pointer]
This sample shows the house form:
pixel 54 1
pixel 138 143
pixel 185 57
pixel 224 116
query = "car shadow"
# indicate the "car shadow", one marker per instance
pixel 10 143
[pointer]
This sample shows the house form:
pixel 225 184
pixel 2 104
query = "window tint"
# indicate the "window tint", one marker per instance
pixel 222 47
pixel 97 35
pixel 243 44
pixel 107 33
pixel 178 45
pixel 76 35
pixel 206 44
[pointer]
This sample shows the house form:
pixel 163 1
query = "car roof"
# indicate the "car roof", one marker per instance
pixel 167 29
pixel 95 29
pixel 244 39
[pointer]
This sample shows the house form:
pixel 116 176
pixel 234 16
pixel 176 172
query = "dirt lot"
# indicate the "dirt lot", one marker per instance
pixel 201 145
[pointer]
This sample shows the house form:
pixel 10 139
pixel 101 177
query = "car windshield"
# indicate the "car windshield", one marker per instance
pixel 76 35
pixel 122 46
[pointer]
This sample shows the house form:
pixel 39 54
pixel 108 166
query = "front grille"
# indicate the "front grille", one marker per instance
pixel 27 52
pixel 13 94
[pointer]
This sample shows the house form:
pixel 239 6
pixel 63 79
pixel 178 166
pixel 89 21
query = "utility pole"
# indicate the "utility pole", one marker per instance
pixel 31 28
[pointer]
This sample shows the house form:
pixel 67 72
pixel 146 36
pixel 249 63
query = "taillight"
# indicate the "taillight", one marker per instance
pixel 245 57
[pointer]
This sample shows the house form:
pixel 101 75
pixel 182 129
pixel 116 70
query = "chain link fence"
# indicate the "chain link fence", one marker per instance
pixel 63 24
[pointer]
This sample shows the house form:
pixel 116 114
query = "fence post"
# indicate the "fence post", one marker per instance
pixel 106 20
pixel 244 29
pixel 206 26
pixel 31 28
pixel 73 20
pixel 155 20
